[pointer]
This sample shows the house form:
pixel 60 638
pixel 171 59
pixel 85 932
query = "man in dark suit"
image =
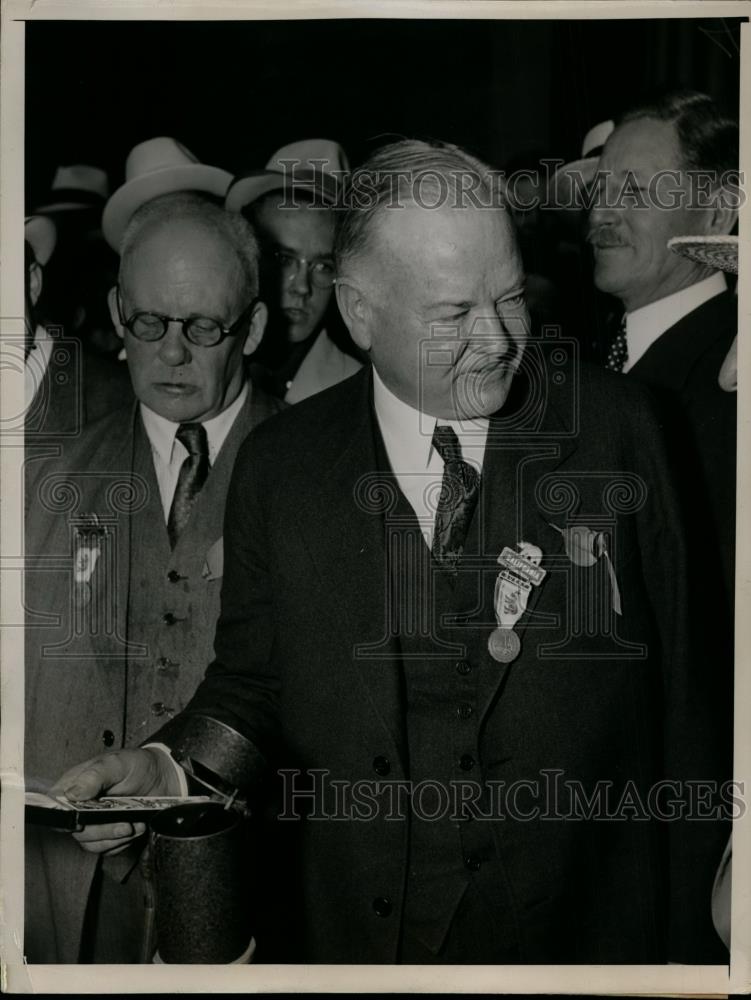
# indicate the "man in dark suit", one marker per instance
pixel 124 547
pixel 670 169
pixel 66 386
pixel 469 753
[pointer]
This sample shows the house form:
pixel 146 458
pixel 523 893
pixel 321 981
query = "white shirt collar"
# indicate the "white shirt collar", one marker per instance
pixel 645 325
pixel 407 432
pixel 161 432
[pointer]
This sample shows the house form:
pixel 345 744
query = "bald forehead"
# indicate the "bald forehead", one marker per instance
pixel 446 236
pixel 187 243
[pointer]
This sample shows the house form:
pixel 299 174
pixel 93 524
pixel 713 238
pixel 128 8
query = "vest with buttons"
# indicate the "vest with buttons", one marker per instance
pixel 453 858
pixel 173 603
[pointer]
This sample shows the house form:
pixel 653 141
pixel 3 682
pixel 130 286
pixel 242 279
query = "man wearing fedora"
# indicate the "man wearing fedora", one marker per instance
pixel 124 546
pixel 290 204
pixel 65 386
pixel 438 597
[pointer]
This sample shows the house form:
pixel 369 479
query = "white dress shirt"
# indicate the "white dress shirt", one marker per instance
pixel 407 435
pixel 37 363
pixel 169 453
pixel 645 325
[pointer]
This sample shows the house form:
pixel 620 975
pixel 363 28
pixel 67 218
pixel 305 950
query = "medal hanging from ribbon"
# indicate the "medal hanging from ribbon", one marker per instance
pixel 521 571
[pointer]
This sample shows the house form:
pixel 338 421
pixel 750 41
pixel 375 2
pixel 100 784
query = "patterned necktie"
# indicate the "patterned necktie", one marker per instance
pixel 456 504
pixel 193 473
pixel 618 353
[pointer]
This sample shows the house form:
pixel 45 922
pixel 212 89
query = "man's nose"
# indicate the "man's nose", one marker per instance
pixel 174 349
pixel 300 280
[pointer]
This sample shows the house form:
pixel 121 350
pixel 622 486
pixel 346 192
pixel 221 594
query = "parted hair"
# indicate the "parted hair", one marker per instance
pixel 708 138
pixel 410 170
pixel 198 207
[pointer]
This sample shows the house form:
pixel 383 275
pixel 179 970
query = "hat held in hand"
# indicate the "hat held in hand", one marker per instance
pixel 155 167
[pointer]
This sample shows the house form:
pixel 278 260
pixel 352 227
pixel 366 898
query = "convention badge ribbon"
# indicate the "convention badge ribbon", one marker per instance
pixel 521 571
pixel 86 554
pixel 584 547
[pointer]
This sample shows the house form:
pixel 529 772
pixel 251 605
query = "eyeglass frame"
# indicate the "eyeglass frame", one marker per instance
pixel 277 252
pixel 224 331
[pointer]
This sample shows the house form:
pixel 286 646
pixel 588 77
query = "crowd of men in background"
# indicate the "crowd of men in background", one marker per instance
pixel 168 320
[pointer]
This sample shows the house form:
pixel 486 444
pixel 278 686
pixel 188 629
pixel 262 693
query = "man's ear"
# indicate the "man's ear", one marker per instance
pixel 35 283
pixel 356 312
pixel 258 319
pixel 114 312
pixel 723 213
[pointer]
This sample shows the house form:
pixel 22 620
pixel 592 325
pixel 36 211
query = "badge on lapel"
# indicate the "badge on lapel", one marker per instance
pixel 585 547
pixel 89 535
pixel 213 568
pixel 521 571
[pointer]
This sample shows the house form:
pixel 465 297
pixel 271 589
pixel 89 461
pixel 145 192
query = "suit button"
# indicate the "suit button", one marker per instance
pixel 465 710
pixel 463 668
pixel 108 737
pixel 382 906
pixel 173 576
pixel 158 708
pixel 472 862
pixel 169 618
pixel 381 765
pixel 466 762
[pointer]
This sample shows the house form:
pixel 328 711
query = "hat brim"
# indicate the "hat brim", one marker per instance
pixel 252 186
pixel 128 198
pixel 40 233
pixel 720 252
pixel 562 191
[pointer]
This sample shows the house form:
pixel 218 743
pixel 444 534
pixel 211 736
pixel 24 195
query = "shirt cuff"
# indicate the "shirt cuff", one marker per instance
pixel 179 772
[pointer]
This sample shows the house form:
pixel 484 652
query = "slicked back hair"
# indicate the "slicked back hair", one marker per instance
pixel 410 171
pixel 708 138
pixel 193 206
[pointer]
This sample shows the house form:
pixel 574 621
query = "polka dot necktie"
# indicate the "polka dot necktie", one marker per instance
pixel 457 501
pixel 193 473
pixel 618 353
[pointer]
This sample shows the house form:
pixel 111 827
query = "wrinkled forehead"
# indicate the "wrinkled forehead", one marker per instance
pixel 173 250
pixel 642 146
pixel 446 239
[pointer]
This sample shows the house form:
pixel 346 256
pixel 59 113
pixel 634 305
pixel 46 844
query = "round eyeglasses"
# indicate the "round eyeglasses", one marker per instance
pixel 203 331
pixel 321 273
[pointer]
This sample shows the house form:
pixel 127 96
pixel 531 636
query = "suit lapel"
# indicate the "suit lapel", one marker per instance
pixel 343 523
pixel 517 477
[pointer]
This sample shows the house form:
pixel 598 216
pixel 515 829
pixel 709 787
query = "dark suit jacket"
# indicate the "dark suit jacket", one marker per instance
pixel 681 368
pixel 82 672
pixel 309 674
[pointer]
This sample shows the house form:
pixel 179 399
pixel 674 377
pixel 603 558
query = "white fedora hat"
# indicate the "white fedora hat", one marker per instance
pixel 74 187
pixel 40 233
pixel 315 165
pixel 585 167
pixel 154 167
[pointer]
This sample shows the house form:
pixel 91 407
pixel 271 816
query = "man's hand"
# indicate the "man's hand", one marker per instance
pixel 123 772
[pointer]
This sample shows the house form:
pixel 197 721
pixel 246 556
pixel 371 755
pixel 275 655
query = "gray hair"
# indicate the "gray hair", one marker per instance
pixel 429 174
pixel 195 206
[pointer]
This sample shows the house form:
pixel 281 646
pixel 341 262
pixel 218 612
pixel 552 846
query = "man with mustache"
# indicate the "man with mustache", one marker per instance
pixel 120 627
pixel 671 169
pixel 420 623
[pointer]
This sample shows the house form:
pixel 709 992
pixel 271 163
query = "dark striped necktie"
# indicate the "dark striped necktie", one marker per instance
pixel 193 473
pixel 456 505
pixel 618 353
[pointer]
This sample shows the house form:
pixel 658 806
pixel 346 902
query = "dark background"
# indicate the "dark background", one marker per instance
pixel 235 91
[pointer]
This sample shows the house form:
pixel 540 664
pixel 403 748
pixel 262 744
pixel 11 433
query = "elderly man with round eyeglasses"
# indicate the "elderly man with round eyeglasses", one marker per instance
pixel 129 570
